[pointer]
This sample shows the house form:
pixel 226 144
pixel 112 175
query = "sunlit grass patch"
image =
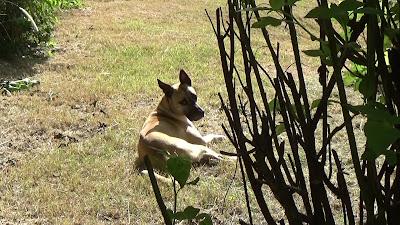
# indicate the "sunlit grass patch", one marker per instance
pixel 135 68
pixel 106 76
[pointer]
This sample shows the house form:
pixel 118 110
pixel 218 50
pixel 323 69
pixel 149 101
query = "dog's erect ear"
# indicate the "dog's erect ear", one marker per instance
pixel 167 89
pixel 184 78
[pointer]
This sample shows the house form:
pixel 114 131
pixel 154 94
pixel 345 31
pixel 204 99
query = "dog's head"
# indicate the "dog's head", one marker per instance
pixel 182 97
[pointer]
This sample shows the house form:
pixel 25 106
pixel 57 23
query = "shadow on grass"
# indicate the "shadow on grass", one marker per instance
pixel 20 68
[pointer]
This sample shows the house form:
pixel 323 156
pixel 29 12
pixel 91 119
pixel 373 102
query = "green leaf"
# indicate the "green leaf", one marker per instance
pixel 171 214
pixel 375 111
pixel 392 35
pixel 391 157
pixel 367 86
pixel 349 79
pixel 205 219
pixel 380 135
pixel 23 86
pixel 266 21
pixel 363 109
pixel 19 85
pixel 395 8
pixel 273 103
pixel 251 9
pixel 291 109
pixel 12 88
pixel 194 182
pixel 276 4
pixel 316 102
pixel 291 2
pixel 179 168
pixel 357 85
pixel 325 48
pixel 314 53
pixel 327 61
pixel 387 42
pixel 368 10
pixel 189 213
pixel 362 70
pixel 354 45
pixel 350 5
pixel 279 129
pixel 381 99
pixel 354 77
pixel 340 15
pixel 319 12
pixel 396 11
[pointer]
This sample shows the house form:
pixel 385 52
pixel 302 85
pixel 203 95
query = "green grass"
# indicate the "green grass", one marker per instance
pixel 114 52
pixel 116 64
pixel 126 63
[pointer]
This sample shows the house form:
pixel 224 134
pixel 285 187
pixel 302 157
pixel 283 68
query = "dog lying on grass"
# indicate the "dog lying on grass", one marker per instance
pixel 169 130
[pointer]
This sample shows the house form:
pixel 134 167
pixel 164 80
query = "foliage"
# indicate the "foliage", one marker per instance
pixel 17 36
pixel 10 86
pixel 303 186
pixel 179 168
pixel 354 75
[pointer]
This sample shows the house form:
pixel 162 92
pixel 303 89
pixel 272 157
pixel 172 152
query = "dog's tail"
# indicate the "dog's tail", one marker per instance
pixel 158 177
pixel 141 168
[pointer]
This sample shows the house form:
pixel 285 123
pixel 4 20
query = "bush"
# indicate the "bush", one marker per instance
pixel 17 36
pixel 284 140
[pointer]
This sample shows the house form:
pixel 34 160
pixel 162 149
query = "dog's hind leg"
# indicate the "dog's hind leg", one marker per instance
pixel 160 142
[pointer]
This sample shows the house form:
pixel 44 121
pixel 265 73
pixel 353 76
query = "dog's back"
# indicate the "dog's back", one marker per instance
pixel 157 156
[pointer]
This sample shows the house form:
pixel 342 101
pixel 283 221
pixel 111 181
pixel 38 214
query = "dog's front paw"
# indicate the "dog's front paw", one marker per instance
pixel 210 159
pixel 214 138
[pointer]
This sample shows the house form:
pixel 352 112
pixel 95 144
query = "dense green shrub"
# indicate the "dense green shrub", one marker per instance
pixel 17 36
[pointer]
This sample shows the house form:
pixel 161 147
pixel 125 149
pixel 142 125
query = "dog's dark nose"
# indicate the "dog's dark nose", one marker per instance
pixel 201 112
pixel 196 113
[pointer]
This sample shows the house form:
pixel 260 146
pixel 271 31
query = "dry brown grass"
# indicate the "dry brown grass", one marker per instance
pixel 66 149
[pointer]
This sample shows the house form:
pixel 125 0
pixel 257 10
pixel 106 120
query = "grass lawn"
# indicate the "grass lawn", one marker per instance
pixel 67 147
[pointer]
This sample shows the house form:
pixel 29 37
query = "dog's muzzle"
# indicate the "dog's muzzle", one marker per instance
pixel 195 114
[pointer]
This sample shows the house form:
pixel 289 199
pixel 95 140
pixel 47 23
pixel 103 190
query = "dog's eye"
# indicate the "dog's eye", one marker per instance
pixel 184 102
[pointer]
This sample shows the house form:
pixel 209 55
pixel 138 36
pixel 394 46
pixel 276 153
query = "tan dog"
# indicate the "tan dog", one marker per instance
pixel 169 129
